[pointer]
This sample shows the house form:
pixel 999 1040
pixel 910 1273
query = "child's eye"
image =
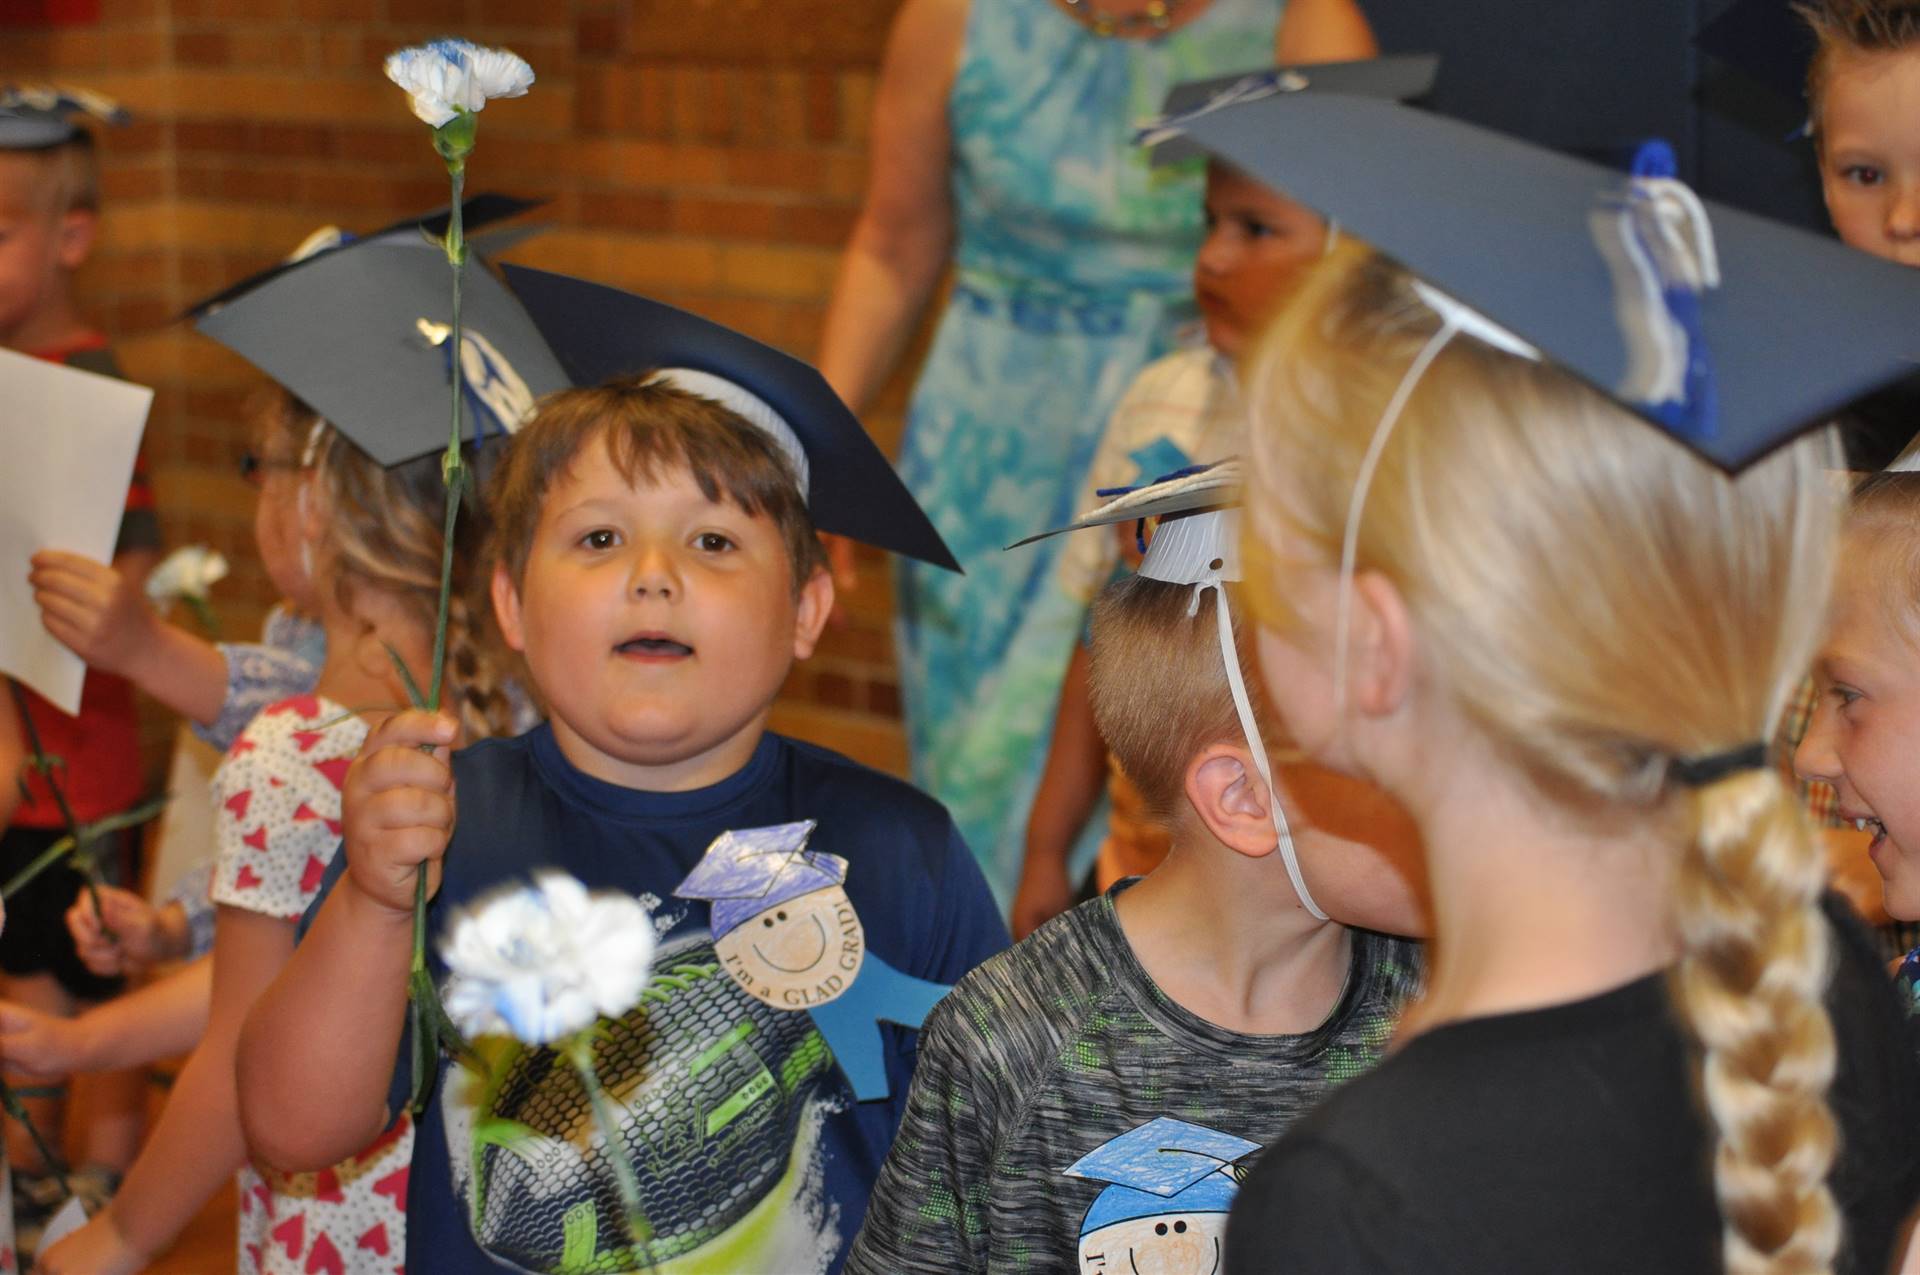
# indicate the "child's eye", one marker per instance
pixel 1255 229
pixel 712 542
pixel 599 538
pixel 1843 695
pixel 1863 174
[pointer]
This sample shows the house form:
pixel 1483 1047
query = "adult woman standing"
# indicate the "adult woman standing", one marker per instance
pixel 1002 141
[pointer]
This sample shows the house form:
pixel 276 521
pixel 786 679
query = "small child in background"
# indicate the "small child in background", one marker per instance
pixel 659 569
pixel 1864 738
pixel 1089 1099
pixel 49 219
pixel 1863 96
pixel 1180 410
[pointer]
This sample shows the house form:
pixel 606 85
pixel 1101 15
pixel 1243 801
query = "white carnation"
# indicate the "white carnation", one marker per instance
pixel 188 572
pixel 444 77
pixel 546 961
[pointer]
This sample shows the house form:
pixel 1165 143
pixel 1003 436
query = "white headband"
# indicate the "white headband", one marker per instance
pixel 750 407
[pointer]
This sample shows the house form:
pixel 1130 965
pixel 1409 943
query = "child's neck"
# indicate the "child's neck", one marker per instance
pixel 652 766
pixel 52 327
pixel 1226 938
pixel 1530 909
pixel 359 673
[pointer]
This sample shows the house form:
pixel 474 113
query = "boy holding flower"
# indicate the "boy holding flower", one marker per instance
pixel 658 567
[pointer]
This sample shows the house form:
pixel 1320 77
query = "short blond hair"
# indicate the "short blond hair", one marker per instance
pixel 1842 27
pixel 62 178
pixel 1883 525
pixel 1159 688
pixel 1600 603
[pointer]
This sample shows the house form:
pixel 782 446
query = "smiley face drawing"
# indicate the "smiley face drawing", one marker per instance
pixel 786 932
pixel 1164 1211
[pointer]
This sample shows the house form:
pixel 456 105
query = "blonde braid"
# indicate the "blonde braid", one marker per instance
pixel 1751 980
pixel 477 673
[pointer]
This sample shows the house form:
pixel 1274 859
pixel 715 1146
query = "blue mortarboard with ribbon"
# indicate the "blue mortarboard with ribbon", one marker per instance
pixel 1163 1166
pixel 39 116
pixel 851 489
pixel 1398 77
pixel 1731 332
pixel 359 329
pixel 1197 542
pixel 745 872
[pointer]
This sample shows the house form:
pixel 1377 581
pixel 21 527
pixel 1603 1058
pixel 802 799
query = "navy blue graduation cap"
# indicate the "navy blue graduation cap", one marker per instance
pixel 359 331
pixel 1398 77
pixel 1732 332
pixel 601 333
pixel 1766 40
pixel 41 116
pixel 1163 1166
pixel 479 214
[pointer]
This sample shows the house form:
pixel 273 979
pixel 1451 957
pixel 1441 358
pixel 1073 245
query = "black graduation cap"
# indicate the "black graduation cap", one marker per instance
pixel 1765 39
pixel 1398 77
pixel 1600 271
pixel 41 116
pixel 477 214
pixel 360 333
pixel 600 333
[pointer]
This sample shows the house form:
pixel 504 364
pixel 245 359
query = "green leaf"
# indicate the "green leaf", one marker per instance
pixel 406 676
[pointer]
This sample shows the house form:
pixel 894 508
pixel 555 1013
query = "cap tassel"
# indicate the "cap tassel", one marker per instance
pixel 1659 244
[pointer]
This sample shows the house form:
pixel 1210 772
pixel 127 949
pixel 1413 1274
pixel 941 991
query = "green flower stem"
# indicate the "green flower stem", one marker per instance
pixel 45 767
pixel 77 846
pixel 11 1104
pixel 579 1052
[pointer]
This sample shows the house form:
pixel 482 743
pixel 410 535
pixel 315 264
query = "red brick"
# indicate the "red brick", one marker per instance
pixel 426 10
pixel 637 211
pixel 727 218
pixel 597 34
pixel 202 48
pixel 822 225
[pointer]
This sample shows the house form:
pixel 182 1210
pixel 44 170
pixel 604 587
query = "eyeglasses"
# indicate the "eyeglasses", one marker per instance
pixel 254 467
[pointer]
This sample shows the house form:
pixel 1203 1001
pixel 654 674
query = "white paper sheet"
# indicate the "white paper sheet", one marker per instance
pixel 67 444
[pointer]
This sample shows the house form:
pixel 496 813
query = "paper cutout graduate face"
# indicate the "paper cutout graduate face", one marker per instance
pixel 783 926
pixel 1166 1210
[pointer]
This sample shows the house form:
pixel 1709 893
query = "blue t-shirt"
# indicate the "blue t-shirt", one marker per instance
pixel 752 1153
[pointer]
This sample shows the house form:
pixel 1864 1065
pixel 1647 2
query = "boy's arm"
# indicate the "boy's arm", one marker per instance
pixel 317 1055
pixel 1069 789
pixel 101 613
pixel 927 1211
pixel 164 1018
pixel 13 758
pixel 1323 31
pixel 196 1145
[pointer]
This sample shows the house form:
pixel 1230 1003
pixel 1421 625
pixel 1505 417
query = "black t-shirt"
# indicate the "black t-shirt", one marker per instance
pixel 1569 1140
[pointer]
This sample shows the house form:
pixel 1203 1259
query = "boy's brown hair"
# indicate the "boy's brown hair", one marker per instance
pixel 649 428
pixel 62 178
pixel 1853 26
pixel 1158 686
pixel 1884 524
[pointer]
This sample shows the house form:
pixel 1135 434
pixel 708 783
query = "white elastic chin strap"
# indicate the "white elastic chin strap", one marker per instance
pixel 1203 550
pixel 750 407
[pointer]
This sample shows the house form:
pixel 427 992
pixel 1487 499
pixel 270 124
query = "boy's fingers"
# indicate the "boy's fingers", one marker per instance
pixel 397 767
pixel 411 729
pixel 403 809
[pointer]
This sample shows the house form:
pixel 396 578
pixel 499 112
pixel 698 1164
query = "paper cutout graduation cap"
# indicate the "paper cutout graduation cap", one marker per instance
pixel 601 332
pixel 360 333
pixel 40 116
pixel 1163 1166
pixel 747 871
pixel 1398 77
pixel 1198 542
pixel 1766 40
pixel 1732 332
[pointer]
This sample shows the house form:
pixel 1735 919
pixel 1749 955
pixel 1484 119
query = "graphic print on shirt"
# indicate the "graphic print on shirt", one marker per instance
pixel 786 932
pixel 722 1075
pixel 1164 1211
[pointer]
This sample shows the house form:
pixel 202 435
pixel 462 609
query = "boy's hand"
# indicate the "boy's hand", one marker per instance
pixel 98 1248
pixel 145 935
pixel 40 1045
pixel 397 806
pixel 99 613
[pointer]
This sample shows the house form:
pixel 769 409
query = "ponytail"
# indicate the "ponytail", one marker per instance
pixel 1750 984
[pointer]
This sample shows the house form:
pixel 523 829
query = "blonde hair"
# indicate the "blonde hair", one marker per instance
pixel 1159 690
pixel 65 177
pixel 1853 27
pixel 1883 526
pixel 384 532
pixel 1601 603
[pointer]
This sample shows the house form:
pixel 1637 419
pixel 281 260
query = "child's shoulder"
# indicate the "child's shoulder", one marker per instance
pixel 866 794
pixel 1042 988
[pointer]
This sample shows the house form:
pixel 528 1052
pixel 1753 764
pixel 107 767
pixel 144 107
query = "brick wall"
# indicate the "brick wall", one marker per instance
pixel 710 154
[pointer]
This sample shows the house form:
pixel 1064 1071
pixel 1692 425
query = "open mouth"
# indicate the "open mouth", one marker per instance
pixel 654 646
pixel 1867 823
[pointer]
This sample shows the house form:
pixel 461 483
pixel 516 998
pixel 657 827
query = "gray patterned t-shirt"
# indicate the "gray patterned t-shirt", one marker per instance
pixel 1066 1115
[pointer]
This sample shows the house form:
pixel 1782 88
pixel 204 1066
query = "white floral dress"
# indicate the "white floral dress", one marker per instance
pixel 277 798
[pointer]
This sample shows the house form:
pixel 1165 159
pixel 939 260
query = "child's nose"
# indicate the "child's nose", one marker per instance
pixel 1816 758
pixel 655 574
pixel 1903 212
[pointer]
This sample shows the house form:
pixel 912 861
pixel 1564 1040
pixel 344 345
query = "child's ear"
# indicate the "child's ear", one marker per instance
pixel 811 610
pixel 78 229
pixel 1381 651
pixel 1232 800
pixel 506 608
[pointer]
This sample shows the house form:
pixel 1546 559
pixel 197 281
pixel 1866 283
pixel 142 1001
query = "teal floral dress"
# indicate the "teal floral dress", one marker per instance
pixel 1073 269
